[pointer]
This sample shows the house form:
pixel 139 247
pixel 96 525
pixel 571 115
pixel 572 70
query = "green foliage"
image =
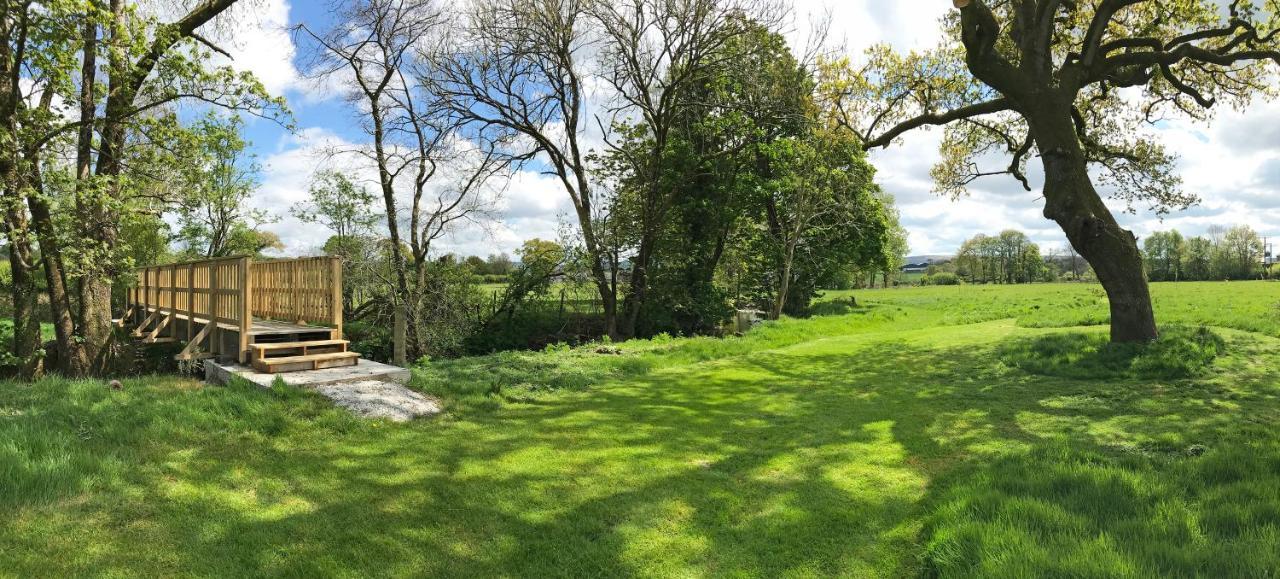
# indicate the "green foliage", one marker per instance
pixel 1010 257
pixel 1163 254
pixel 339 205
pixel 372 339
pixel 216 216
pixel 940 278
pixel 819 214
pixel 1235 253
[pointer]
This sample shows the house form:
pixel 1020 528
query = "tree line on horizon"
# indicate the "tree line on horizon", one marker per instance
pixel 1223 253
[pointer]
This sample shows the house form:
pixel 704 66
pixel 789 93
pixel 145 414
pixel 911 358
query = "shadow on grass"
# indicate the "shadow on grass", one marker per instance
pixel 1180 352
pixel 887 458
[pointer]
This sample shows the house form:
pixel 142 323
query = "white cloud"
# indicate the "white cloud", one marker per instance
pixel 528 205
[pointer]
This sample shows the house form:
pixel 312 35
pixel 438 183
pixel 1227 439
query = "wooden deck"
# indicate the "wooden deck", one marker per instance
pixel 205 303
pixel 258 327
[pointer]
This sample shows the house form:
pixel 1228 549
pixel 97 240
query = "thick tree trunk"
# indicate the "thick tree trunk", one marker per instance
pixel 26 327
pixel 71 359
pixel 1072 201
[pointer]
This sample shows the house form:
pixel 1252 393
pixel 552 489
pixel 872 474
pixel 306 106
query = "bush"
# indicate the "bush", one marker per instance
pixel 372 340
pixel 940 278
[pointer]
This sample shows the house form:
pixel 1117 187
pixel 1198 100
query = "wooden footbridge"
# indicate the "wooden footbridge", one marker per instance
pixel 278 315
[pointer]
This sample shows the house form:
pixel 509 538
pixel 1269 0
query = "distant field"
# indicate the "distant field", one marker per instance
pixel 1252 305
pixel 492 288
pixel 46 329
pixel 936 432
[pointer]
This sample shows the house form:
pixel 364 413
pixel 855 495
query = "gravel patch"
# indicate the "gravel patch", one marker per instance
pixel 376 399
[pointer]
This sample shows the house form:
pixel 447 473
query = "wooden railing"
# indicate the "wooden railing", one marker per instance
pixel 227 294
pixel 212 292
pixel 302 291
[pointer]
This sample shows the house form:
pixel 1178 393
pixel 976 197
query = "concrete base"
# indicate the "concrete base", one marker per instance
pixel 368 389
pixel 221 372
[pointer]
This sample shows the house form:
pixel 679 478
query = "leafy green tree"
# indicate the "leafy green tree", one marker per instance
pixel 1239 254
pixel 339 205
pixel 896 245
pixel 1163 251
pixel 541 261
pixel 1197 259
pixel 1045 79
pixel 662 60
pixel 94 83
pixel 347 210
pixel 818 213
pixel 498 264
pixel 710 175
pixel 1007 258
pixel 217 216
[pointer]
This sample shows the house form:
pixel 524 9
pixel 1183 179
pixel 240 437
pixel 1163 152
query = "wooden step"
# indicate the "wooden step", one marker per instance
pixel 262 347
pixel 306 362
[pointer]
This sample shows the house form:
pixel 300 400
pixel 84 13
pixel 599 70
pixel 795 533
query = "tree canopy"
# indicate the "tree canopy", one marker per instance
pixel 1072 84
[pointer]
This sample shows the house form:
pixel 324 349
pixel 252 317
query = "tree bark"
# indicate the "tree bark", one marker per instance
pixel 71 359
pixel 784 279
pixel 636 289
pixel 1072 201
pixel 26 328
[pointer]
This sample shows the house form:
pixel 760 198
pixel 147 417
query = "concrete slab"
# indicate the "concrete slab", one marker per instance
pixel 368 389
pixel 220 373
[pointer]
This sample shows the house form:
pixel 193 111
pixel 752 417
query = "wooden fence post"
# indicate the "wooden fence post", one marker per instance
pixel 215 335
pixel 246 310
pixel 398 338
pixel 335 303
pixel 191 304
pixel 295 282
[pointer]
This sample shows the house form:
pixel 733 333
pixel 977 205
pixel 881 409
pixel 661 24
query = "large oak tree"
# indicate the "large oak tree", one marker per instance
pixel 1072 84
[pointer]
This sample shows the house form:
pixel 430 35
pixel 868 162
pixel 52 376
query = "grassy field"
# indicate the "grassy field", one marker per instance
pixel 46 329
pixel 956 432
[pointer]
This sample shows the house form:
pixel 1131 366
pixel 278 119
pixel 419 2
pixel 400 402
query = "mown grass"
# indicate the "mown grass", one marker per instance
pixel 1251 306
pixel 914 435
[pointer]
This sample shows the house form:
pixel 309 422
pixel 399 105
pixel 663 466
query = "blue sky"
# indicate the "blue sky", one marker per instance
pixel 1233 164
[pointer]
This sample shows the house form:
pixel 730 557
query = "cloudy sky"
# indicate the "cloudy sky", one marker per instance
pixel 1233 164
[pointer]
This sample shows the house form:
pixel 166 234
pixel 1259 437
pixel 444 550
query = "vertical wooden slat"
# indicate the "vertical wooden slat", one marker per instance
pixel 146 293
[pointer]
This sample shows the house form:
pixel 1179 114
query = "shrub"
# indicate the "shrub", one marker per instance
pixel 940 278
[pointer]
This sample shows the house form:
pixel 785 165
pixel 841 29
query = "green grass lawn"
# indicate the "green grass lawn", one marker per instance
pixel 960 432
